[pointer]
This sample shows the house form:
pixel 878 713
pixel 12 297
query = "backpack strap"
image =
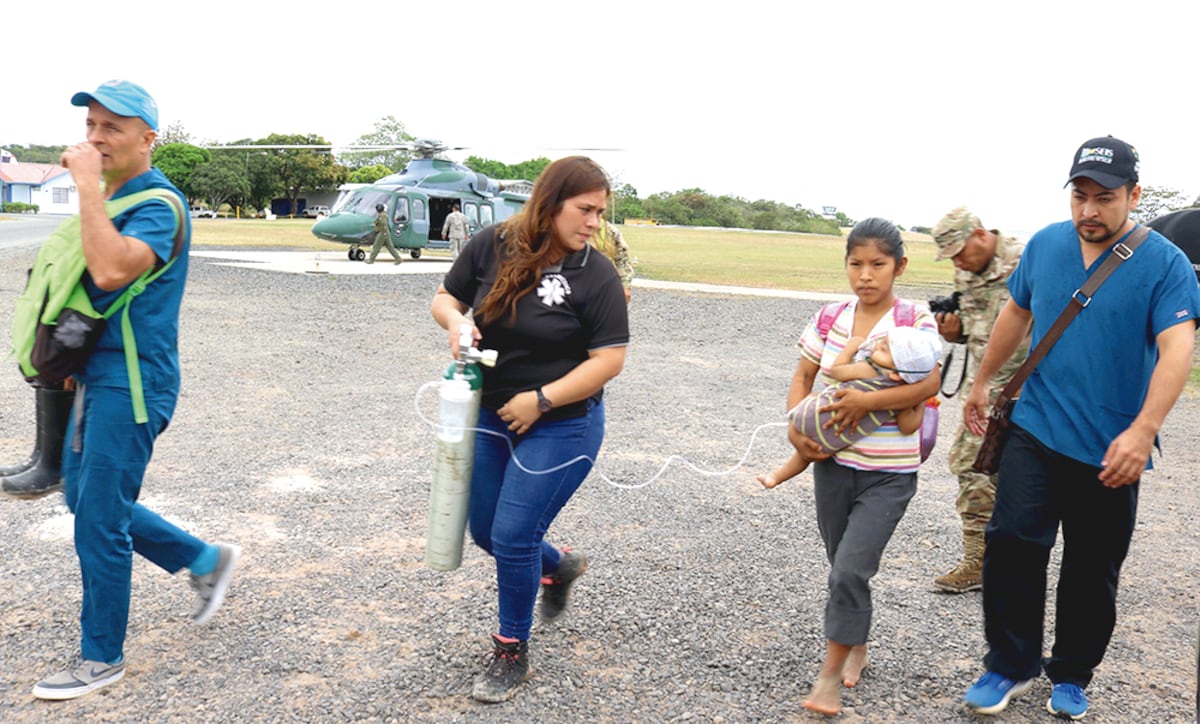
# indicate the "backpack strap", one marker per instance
pixel 905 313
pixel 826 317
pixel 134 290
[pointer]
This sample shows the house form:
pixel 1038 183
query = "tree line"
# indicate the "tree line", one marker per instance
pixel 251 178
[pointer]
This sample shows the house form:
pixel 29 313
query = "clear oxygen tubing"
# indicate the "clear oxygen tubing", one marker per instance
pixel 624 486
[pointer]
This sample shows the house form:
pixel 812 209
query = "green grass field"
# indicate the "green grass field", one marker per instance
pixel 803 262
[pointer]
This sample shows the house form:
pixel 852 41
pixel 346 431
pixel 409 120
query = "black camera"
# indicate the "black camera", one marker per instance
pixel 948 305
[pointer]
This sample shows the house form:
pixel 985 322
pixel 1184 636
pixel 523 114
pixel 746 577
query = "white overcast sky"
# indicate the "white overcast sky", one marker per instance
pixel 894 109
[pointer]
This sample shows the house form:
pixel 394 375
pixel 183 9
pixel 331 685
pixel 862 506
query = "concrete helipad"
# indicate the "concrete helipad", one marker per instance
pixel 335 262
pixel 322 262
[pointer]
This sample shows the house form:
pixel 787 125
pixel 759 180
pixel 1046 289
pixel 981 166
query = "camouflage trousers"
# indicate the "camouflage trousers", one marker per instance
pixel 976 492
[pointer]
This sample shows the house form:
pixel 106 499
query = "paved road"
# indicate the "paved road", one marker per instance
pixel 19 231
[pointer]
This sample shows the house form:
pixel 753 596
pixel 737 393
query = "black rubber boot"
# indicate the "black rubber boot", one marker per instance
pixel 7 470
pixel 44 476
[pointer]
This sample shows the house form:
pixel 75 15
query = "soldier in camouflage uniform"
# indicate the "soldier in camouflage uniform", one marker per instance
pixel 984 259
pixel 608 239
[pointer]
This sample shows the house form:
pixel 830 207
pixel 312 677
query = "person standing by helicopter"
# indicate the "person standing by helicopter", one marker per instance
pixel 383 236
pixel 456 228
pixel 553 308
pixel 609 240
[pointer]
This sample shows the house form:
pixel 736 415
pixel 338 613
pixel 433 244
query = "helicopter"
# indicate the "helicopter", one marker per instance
pixel 417 201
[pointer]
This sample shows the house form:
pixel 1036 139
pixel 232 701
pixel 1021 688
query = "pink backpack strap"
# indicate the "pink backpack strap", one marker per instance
pixel 825 319
pixel 905 313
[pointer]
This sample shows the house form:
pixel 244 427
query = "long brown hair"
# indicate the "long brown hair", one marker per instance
pixel 529 236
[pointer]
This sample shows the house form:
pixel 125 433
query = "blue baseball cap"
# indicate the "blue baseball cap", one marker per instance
pixel 123 98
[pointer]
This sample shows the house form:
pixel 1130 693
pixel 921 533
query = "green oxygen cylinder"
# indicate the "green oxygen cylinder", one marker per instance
pixel 460 392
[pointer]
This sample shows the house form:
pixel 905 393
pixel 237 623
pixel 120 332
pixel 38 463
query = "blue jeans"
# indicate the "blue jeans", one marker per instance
pixel 1037 489
pixel 102 477
pixel 511 509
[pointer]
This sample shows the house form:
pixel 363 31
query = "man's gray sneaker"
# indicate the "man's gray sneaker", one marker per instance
pixel 83 677
pixel 211 587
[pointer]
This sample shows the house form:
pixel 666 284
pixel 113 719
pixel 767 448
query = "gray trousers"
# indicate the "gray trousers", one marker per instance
pixel 857 511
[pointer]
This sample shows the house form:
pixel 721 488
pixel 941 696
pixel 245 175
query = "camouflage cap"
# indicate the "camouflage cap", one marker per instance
pixel 952 232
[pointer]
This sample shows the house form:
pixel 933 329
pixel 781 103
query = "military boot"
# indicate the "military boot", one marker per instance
pixel 968 574
pixel 45 475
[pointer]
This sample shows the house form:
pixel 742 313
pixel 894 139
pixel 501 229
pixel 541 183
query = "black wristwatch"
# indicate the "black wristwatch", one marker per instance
pixel 544 405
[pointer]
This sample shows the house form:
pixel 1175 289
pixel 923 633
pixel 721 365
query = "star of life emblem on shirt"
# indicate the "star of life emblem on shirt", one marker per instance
pixel 553 290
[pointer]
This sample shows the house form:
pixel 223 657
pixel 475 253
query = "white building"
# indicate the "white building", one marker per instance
pixel 45 185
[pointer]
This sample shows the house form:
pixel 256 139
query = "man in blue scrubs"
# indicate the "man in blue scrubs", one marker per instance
pixel 1082 431
pixel 107 448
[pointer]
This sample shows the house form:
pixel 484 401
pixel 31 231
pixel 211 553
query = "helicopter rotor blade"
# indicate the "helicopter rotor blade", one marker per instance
pixel 314 146
pixel 580 148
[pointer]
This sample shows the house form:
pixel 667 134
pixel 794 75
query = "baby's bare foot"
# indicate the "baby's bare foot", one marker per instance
pixel 768 480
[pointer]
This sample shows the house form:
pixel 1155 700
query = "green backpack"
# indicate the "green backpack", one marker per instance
pixel 55 327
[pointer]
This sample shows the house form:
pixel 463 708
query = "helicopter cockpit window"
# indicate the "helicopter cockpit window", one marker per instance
pixel 418 209
pixel 485 215
pixel 472 212
pixel 365 201
pixel 401 214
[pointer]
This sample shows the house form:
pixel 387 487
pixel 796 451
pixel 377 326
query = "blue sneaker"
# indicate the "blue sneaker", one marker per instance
pixel 992 693
pixel 1067 701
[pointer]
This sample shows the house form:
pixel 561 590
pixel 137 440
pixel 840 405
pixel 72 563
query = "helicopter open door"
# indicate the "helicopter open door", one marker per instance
pixel 440 208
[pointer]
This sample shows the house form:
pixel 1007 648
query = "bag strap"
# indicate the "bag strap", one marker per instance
pixel 134 290
pixel 905 313
pixel 1082 297
pixel 826 317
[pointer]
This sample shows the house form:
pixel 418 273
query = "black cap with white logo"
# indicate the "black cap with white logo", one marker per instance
pixel 1108 161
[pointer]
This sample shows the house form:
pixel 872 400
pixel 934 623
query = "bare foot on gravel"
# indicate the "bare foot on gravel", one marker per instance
pixel 826 697
pixel 856 663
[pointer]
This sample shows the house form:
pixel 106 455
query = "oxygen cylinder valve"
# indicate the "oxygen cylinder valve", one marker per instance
pixel 469 354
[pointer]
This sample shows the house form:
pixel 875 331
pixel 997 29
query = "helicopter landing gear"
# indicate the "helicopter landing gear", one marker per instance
pixel 356 254
pixel 415 253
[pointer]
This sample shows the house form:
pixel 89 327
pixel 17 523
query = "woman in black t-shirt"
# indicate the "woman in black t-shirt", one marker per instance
pixel 554 310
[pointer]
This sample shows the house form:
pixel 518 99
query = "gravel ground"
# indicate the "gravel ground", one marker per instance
pixel 296 437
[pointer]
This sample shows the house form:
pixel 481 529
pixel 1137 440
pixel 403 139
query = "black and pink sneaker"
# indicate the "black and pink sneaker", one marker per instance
pixel 508 669
pixel 556 587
